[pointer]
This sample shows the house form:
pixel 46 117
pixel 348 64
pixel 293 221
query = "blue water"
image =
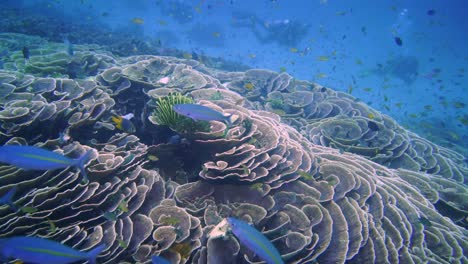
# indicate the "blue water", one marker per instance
pixel 354 37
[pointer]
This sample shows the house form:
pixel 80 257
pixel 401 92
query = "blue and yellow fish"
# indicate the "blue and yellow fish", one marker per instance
pixel 40 250
pixel 34 158
pixel 8 199
pixel 255 241
pixel 123 123
pixel 200 112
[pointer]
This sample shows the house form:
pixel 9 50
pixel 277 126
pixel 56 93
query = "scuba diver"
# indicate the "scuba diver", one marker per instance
pixel 284 32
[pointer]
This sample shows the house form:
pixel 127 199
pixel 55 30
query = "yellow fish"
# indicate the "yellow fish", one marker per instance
pixel 341 13
pixel 123 206
pixel 371 115
pixel 454 136
pixel 293 50
pixel 153 158
pixel 249 86
pixel 187 56
pixel 216 34
pixel 138 21
pixel 459 105
pixel 162 22
pixel 52 226
pixel 367 89
pixel 323 58
pixel 28 209
pixel 245 169
pixel 463 120
pixel 122 243
pixel 305 175
pixel 282 69
pixel 321 75
pixel 256 186
pixel 252 56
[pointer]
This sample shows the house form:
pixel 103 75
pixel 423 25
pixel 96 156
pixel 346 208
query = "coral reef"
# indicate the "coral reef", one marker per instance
pixel 52 59
pixel 335 119
pixel 327 179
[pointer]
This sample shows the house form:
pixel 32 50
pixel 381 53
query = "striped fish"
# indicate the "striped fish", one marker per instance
pixel 40 250
pixel 34 158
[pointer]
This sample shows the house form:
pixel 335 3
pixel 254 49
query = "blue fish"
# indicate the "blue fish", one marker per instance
pixel 159 260
pixel 200 112
pixel 34 158
pixel 255 241
pixel 40 250
pixel 8 199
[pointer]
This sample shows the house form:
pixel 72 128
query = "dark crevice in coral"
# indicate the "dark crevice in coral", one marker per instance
pixel 458 216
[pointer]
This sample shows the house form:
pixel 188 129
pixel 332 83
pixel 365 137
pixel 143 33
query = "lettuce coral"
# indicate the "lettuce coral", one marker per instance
pixel 324 182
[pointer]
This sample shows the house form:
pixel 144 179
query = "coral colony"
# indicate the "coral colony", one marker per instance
pixel 282 170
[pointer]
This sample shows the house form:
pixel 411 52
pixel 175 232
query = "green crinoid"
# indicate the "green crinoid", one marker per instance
pixel 165 115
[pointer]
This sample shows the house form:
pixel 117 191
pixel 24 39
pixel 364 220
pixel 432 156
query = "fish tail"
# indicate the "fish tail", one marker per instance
pixel 228 125
pixel 8 199
pixel 93 253
pixel 80 162
pixel 228 120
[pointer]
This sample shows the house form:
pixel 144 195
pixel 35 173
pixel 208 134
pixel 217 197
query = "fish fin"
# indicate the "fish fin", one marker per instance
pixel 228 120
pixel 80 162
pixel 93 253
pixel 228 125
pixel 8 199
